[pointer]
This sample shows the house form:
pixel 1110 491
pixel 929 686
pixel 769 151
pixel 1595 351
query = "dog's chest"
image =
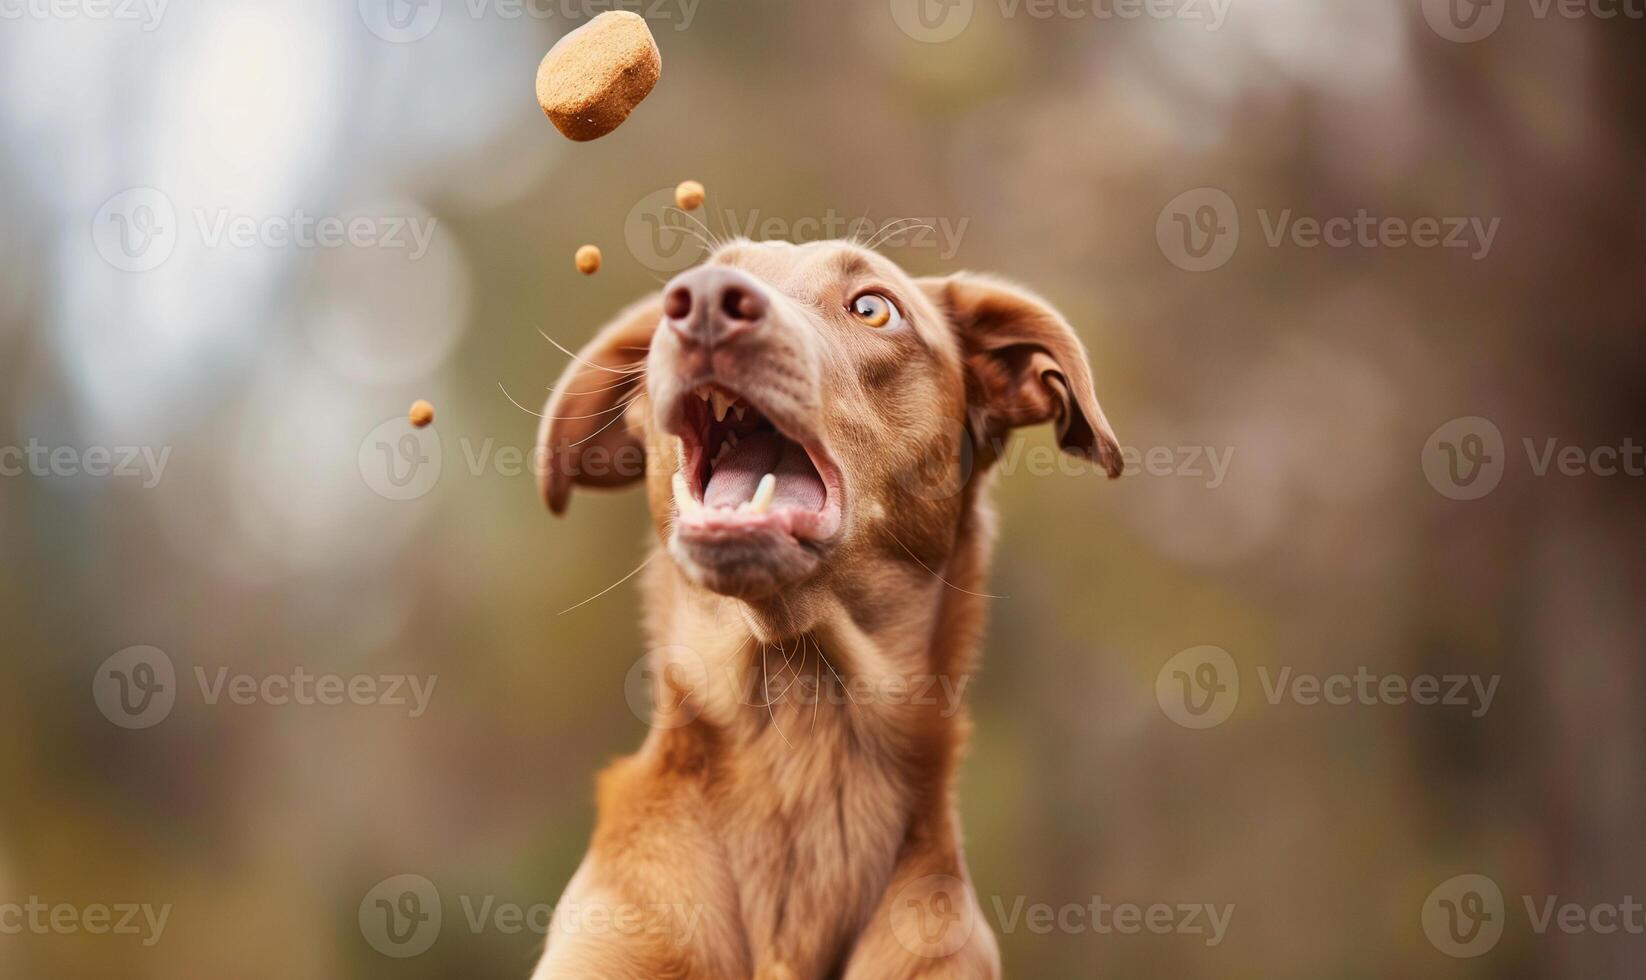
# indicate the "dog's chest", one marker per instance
pixel 812 826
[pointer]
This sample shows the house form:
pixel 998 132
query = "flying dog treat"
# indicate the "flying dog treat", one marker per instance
pixel 421 414
pixel 588 259
pixel 593 78
pixel 689 195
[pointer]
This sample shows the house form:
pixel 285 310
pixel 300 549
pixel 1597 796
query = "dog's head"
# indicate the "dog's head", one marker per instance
pixel 801 413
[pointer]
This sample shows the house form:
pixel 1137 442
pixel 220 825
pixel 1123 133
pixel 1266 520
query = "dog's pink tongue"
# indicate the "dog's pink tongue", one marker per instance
pixel 738 473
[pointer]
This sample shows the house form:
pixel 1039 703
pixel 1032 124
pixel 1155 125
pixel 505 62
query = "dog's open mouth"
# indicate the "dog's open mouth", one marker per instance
pixel 742 474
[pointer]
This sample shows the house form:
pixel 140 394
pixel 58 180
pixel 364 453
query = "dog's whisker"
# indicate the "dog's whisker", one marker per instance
pixel 856 239
pixel 615 418
pixel 697 221
pixel 788 658
pixel 917 561
pixel 560 418
pixel 594 391
pixel 770 711
pixel 843 685
pixel 886 231
pixel 610 587
pixel 516 404
pixel 627 369
pixel 817 684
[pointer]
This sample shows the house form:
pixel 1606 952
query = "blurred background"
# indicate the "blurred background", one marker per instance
pixel 238 238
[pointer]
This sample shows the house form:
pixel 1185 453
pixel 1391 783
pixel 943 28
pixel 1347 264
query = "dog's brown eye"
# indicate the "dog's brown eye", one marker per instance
pixel 874 310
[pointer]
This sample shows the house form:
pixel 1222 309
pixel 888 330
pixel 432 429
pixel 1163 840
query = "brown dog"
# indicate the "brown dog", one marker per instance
pixel 814 428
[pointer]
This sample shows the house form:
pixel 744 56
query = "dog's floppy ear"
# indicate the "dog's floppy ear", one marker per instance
pixel 584 438
pixel 1026 366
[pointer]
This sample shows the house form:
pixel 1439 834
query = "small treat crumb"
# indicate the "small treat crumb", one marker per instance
pixel 588 259
pixel 689 195
pixel 421 414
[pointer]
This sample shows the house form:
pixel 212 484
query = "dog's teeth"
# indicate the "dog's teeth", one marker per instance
pixel 725 448
pixel 763 494
pixel 733 437
pixel 702 392
pixel 739 410
pixel 721 404
pixel 683 499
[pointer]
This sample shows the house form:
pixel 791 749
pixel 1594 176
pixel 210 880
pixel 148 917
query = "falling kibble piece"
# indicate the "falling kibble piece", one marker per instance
pixel 421 414
pixel 588 259
pixel 594 77
pixel 689 195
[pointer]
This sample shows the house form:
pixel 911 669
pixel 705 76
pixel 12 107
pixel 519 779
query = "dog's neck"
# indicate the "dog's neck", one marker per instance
pixel 820 755
pixel 885 666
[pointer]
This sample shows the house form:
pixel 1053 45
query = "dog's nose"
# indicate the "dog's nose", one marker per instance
pixel 713 305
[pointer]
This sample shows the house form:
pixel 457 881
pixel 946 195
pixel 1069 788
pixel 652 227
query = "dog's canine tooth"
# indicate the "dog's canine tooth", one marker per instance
pixel 721 404
pixel 683 499
pixel 763 494
pixel 740 409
